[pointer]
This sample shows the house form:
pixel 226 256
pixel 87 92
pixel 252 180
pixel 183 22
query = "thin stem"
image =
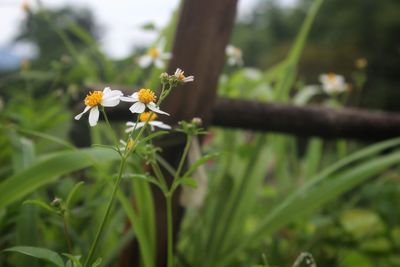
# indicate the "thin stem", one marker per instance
pixel 124 157
pixel 160 176
pixel 181 162
pixel 170 260
pixel 107 213
pixel 112 131
pixel 66 234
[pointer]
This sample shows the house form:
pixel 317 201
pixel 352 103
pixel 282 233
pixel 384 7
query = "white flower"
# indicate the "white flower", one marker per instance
pixel 234 55
pixel 179 74
pixel 333 83
pixel 107 98
pixel 144 98
pixel 148 117
pixel 156 56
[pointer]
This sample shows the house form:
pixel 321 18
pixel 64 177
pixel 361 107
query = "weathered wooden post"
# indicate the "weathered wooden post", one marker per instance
pixel 203 31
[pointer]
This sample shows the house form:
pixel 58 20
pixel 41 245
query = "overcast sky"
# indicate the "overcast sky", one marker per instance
pixel 119 19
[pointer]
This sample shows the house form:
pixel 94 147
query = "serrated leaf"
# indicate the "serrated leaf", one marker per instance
pixel 39 253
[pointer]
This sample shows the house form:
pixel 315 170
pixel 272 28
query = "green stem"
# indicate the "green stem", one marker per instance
pixel 124 157
pixel 66 234
pixel 170 260
pixel 106 215
pixel 181 162
pixel 113 133
pixel 160 176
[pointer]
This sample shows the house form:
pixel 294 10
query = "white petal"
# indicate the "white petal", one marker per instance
pixel 145 61
pixel 106 90
pixel 128 99
pixel 159 63
pixel 128 130
pixel 160 124
pixel 132 98
pixel 113 93
pixel 138 107
pixel 111 100
pixel 323 78
pixel 188 79
pixel 130 123
pixel 77 117
pixel 135 126
pixel 94 116
pixel 166 56
pixel 153 107
pixel 178 72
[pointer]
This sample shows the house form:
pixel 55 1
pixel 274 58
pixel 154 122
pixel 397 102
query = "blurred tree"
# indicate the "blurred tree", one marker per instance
pixel 343 31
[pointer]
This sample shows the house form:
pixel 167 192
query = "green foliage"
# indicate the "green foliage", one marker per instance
pixel 40 253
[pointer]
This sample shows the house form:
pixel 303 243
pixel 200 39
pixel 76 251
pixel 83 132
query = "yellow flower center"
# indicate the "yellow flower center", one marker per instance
pixel 181 77
pixel 153 52
pixel 151 116
pixel 94 98
pixel 331 76
pixel 146 96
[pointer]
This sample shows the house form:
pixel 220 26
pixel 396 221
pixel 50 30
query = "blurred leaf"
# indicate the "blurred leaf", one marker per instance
pixel 72 194
pixel 361 223
pixel 49 169
pixel 40 253
pixel 318 192
pixel 97 262
pixel 41 204
pixel 188 181
pixel 74 260
pixel 198 163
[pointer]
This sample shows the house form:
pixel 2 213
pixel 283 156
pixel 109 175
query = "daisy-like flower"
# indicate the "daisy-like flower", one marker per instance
pixel 148 117
pixel 234 55
pixel 156 56
pixel 333 83
pixel 179 74
pixel 105 98
pixel 143 98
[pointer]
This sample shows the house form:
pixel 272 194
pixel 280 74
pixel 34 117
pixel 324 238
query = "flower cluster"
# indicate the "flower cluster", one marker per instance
pixel 143 99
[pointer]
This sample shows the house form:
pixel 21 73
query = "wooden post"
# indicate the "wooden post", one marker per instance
pixel 202 34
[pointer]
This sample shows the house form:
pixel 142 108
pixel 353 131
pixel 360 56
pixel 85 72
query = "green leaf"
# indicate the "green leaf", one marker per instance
pixel 153 135
pixel 40 204
pixel 97 263
pixel 320 190
pixel 144 177
pixel 188 181
pixel 198 163
pixel 40 253
pixel 49 169
pixel 74 260
pixel 72 194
